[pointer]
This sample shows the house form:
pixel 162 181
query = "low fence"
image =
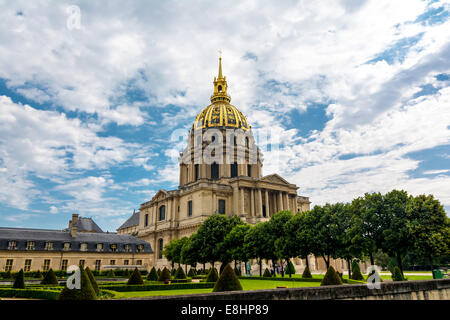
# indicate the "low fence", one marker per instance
pixel 405 290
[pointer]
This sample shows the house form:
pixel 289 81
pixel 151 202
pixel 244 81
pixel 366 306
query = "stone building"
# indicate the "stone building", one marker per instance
pixel 220 172
pixel 82 243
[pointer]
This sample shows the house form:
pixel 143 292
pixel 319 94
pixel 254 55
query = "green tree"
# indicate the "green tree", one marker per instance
pixel 152 275
pixel 233 243
pixel 257 245
pixel 283 247
pixel 172 250
pixel 429 227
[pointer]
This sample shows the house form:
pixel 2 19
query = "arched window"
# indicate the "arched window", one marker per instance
pixel 160 248
pixel 214 171
pixel 235 140
pixel 162 213
pixel 246 142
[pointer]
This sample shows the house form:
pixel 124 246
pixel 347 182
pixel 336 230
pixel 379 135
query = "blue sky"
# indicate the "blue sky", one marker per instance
pixel 91 118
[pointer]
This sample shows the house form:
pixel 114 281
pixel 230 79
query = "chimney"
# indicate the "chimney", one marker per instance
pixel 73 225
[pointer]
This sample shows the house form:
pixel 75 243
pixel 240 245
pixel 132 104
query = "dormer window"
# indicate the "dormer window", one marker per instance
pixel 83 247
pixel 127 248
pixel 114 247
pixel 99 247
pixel 12 245
pixel 140 248
pixel 49 246
pixel 30 245
pixel 66 246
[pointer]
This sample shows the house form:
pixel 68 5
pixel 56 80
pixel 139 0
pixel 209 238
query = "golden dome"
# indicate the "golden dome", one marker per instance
pixel 220 113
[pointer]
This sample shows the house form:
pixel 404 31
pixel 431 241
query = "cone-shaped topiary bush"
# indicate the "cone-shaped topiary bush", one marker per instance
pixel 180 274
pixel 267 273
pixel 38 275
pixel 212 275
pixel 165 275
pixel 222 266
pixel 331 278
pixel 19 282
pixel 290 268
pixel 306 274
pixel 92 280
pixel 191 272
pixel 110 273
pixel 50 278
pixel 152 275
pixel 158 272
pixel 228 281
pixel 135 277
pixel 397 275
pixel 356 271
pixel 86 292
pixel 172 273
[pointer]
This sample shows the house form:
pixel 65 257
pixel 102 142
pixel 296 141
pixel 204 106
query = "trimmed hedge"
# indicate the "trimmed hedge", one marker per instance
pixel 356 271
pixel 135 278
pixel 19 280
pixel 165 275
pixel 29 293
pixel 157 287
pixel 331 278
pixel 153 275
pixel 306 274
pixel 281 279
pixel 228 281
pixel 50 278
pixel 212 275
pixel 180 274
pixel 267 273
pixel 86 292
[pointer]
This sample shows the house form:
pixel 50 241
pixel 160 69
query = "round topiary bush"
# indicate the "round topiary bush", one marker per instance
pixel 92 280
pixel 228 281
pixel 356 271
pixel 397 275
pixel 135 277
pixel 165 275
pixel 152 275
pixel 212 275
pixel 86 292
pixel 19 282
pixel 331 278
pixel 50 278
pixel 306 274
pixel 267 273
pixel 180 274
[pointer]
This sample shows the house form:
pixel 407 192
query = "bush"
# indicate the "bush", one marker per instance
pixel 50 278
pixel 356 272
pixel 29 293
pixel 228 281
pixel 153 275
pixel 157 287
pixel 165 275
pixel 306 274
pixel 180 273
pixel 7 275
pixel 92 280
pixel 191 272
pixel 212 275
pixel 290 268
pixel 19 282
pixel 158 272
pixel 38 274
pixel 397 275
pixel 237 272
pixel 135 278
pixel 86 292
pixel 267 273
pixel 110 273
pixel 331 278
pixel 172 273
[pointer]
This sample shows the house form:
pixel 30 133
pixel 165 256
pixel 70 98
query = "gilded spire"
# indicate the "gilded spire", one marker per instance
pixel 220 86
pixel 220 68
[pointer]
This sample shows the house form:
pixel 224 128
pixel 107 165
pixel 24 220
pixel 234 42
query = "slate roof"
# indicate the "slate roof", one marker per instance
pixel 87 225
pixel 58 237
pixel 132 221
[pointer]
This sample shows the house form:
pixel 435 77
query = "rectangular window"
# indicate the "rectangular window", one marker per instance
pixel 125 262
pixel 127 248
pixel 12 245
pixel 49 246
pixel 82 263
pixel 30 245
pixel 83 247
pixel 64 265
pixel 197 171
pixel 97 265
pixel 99 247
pixel 139 262
pixel 214 171
pixel 146 220
pixel 222 206
pixel 46 266
pixel 162 213
pixel 9 264
pixel 234 170
pixel 140 248
pixel 114 247
pixel 249 170
pixel 27 266
pixel 112 262
pixel 190 208
pixel 66 246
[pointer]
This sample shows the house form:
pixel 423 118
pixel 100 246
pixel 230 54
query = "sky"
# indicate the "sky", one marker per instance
pixel 96 96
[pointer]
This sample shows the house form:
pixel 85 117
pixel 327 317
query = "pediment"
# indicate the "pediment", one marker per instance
pixel 161 194
pixel 274 178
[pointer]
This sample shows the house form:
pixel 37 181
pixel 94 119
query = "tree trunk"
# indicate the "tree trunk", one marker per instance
pixel 400 265
pixel 307 263
pixel 204 267
pixel 235 264
pixel 282 268
pixel 327 262
pixel 349 266
pixel 260 267
pixel 431 265
pixel 185 268
pixel 372 261
pixel 290 271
